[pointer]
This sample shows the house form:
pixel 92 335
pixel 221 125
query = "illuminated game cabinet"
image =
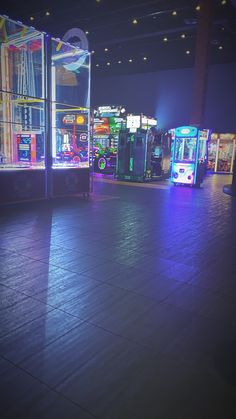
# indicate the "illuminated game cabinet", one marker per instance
pixel 135 146
pixel 221 152
pixel 189 160
pixel 108 121
pixel 44 111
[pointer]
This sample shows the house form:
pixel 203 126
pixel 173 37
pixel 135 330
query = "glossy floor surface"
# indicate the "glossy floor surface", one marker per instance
pixel 121 306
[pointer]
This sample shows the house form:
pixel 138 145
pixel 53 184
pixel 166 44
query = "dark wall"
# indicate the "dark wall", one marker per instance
pixel 167 95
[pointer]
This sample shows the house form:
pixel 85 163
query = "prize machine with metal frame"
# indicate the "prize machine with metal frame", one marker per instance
pixel 22 100
pixel 108 121
pixel 135 147
pixel 221 152
pixel 189 160
pixel 44 109
pixel 70 118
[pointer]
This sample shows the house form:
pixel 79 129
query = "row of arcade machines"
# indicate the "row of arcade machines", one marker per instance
pixel 129 146
pixel 186 144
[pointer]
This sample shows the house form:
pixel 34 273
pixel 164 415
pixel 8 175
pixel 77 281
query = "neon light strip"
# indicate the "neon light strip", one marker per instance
pixel 54 144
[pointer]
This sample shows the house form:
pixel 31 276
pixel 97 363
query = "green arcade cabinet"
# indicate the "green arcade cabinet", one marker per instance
pixel 134 153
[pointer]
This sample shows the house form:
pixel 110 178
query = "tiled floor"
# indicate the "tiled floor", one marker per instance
pixel 120 307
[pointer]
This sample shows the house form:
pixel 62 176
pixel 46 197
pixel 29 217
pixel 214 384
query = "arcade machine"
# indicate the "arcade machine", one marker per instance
pixel 135 146
pixel 189 160
pixel 22 152
pixel 221 152
pixel 108 122
pixel 161 154
pixel 70 114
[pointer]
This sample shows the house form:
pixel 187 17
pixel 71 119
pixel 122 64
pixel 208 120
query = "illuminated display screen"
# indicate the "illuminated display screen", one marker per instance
pixel 116 124
pixel 101 126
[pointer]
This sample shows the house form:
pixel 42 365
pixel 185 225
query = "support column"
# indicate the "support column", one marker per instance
pixel 201 62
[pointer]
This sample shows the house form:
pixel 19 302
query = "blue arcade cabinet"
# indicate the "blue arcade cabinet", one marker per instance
pixel 189 160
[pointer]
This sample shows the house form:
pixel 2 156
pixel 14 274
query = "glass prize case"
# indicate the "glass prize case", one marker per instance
pixel 70 68
pixel 22 96
pixel 43 126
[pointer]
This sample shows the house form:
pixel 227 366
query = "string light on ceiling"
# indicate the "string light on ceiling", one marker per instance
pixel 174 13
pixel 105 49
pixel 47 13
pixel 31 17
pixel 134 21
pixel 198 7
pixel 187 52
pixel 183 35
pixel 165 39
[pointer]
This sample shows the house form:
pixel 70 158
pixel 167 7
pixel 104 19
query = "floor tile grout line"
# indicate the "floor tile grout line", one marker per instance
pixel 53 389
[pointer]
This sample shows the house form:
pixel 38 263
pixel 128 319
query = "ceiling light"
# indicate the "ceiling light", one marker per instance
pixel 119 62
pixel 47 13
pixel 97 65
pixel 144 58
pixel 183 35
pixel 93 52
pixel 86 32
pixel 108 64
pixel 220 47
pixel 135 21
pixel 98 1
pixel 223 2
pixel 105 49
pixel 31 17
pixel 222 28
pixel 165 39
pixel 130 60
pixel 198 7
pixel 174 13
pixel 187 52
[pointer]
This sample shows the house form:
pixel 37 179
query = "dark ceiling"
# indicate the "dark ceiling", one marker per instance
pixel 130 36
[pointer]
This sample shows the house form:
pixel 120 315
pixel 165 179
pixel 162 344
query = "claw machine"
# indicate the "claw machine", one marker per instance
pixel 189 161
pixel 22 112
pixel 70 118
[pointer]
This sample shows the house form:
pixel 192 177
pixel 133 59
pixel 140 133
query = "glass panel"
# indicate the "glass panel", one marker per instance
pixel 212 149
pixel 22 125
pixel 179 149
pixel 22 59
pixel 225 156
pixel 70 138
pixel 202 150
pixel 19 148
pixel 70 73
pixel 185 149
pixel 70 105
